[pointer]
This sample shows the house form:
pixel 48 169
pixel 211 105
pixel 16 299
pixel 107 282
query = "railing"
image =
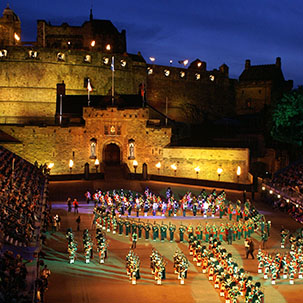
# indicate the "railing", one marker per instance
pixel 296 199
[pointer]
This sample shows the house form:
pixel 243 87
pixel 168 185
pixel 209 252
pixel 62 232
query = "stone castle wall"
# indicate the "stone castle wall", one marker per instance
pixel 252 97
pixel 208 160
pixel 190 96
pixel 60 144
pixel 28 85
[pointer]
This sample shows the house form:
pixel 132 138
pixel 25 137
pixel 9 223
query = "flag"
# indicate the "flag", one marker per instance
pixel 89 87
pixel 142 89
pixel 113 64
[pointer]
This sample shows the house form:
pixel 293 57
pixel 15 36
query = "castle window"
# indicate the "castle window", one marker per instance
pixel 87 58
pixel 182 74
pixel 197 76
pixel 108 47
pixel 212 78
pixel 105 130
pixel 105 60
pixel 33 54
pixel 123 63
pixel 119 130
pixel 149 71
pixel 60 57
pixel 166 72
pixel 3 53
pixel 16 37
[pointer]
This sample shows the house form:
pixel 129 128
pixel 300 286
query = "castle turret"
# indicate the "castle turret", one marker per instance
pixel 10 28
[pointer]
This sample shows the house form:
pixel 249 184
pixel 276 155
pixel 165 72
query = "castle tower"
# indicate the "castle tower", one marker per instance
pixel 10 28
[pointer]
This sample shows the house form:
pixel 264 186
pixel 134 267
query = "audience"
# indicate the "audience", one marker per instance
pixel 21 197
pixel 23 215
pixel 289 184
pixel 13 279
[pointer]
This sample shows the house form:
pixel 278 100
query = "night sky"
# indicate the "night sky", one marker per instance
pixel 221 31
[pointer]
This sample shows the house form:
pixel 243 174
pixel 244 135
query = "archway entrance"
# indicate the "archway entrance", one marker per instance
pixel 111 154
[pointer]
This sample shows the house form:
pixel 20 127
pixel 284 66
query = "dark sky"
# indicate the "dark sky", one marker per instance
pixel 215 31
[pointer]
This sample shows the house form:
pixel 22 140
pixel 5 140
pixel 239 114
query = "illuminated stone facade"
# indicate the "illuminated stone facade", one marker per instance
pixel 29 75
pixel 128 131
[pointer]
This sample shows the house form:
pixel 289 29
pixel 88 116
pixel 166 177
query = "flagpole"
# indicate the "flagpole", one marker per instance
pixel 166 110
pixel 60 109
pixel 113 79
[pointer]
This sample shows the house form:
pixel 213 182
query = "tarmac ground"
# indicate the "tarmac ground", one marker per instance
pixel 108 282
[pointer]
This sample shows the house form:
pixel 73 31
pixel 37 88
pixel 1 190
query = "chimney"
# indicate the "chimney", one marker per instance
pixel 247 64
pixel 278 62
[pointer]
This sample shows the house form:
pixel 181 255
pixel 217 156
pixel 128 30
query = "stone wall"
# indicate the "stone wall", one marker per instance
pixel 252 97
pixel 192 96
pixel 102 32
pixel 208 160
pixel 28 84
pixel 60 144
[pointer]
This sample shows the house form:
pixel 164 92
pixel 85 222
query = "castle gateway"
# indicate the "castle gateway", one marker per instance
pixel 121 136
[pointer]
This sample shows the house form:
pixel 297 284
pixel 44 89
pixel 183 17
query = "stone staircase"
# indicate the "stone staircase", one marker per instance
pixel 113 172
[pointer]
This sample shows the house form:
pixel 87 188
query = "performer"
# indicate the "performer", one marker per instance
pixel 230 211
pixel 140 228
pixel 163 229
pixel 221 232
pixel 172 229
pixel 147 229
pixel 155 231
pixel 221 210
pixel 134 240
pixel 182 229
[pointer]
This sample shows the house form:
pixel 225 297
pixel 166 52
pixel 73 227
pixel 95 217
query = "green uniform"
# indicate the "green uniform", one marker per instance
pixel 140 227
pixel 146 229
pixel 182 229
pixel 120 227
pixel 172 229
pixel 127 228
pixel 163 229
pixel 155 232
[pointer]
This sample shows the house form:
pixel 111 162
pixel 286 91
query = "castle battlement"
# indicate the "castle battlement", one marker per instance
pixel 93 59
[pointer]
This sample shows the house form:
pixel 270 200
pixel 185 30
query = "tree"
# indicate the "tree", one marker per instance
pixel 288 118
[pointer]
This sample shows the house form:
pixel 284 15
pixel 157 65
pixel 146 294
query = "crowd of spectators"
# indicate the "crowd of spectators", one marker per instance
pixel 13 279
pixel 287 185
pixel 289 180
pixel 23 212
pixel 21 198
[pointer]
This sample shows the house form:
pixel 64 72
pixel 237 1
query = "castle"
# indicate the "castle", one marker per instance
pixel 30 78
